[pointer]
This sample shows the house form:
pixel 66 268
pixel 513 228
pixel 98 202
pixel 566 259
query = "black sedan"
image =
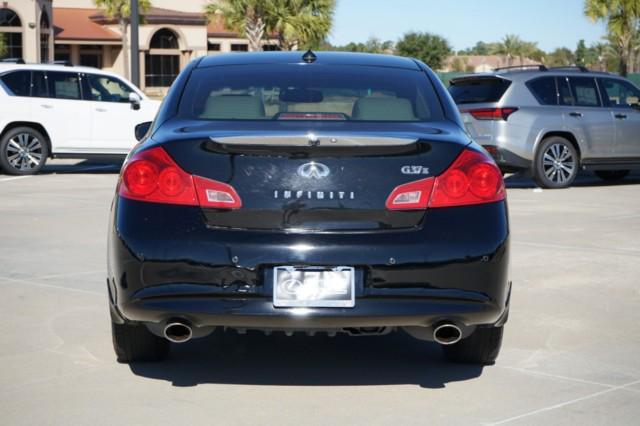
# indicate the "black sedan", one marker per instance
pixel 318 193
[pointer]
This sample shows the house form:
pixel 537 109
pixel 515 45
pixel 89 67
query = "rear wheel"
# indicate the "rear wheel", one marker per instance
pixel 23 151
pixel 556 163
pixel 612 175
pixel 482 347
pixel 135 343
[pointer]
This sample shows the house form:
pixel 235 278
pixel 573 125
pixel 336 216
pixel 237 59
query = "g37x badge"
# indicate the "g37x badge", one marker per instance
pixel 414 170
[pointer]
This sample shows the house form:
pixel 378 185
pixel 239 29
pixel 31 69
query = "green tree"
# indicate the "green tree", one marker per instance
pixel 581 54
pixel 605 56
pixel 429 48
pixel 245 16
pixel 300 24
pixel 561 57
pixel 297 23
pixel 528 49
pixel 623 20
pixel 480 48
pixel 120 10
pixel 510 47
pixel 373 45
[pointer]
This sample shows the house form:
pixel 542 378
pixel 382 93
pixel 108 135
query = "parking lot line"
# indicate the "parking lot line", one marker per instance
pixel 564 404
pixel 557 376
pixel 72 274
pixel 627 252
pixel 14 178
pixel 57 287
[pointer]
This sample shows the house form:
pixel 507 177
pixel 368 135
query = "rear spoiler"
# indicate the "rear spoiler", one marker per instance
pixel 226 146
pixel 468 77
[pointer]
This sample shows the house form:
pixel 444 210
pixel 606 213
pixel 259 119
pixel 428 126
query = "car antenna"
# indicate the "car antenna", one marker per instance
pixel 309 56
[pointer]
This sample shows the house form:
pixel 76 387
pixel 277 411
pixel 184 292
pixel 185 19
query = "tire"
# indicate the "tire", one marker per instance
pixel 482 347
pixel 134 343
pixel 23 151
pixel 612 175
pixel 556 163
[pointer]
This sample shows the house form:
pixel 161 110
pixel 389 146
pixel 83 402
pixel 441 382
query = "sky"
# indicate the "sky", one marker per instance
pixel 551 23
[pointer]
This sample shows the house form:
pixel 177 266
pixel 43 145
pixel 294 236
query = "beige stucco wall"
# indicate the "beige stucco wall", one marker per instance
pixel 192 38
pixel 181 5
pixel 30 12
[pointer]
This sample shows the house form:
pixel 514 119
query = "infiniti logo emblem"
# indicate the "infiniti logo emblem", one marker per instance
pixel 313 170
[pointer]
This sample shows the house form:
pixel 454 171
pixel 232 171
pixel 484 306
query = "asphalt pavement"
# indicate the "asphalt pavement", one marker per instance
pixel 571 352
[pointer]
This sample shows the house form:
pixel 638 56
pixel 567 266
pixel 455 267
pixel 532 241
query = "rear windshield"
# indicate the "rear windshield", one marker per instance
pixel 309 92
pixel 478 90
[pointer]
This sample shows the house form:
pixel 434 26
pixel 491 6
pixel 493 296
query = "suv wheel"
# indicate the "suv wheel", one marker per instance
pixel 611 175
pixel 133 342
pixel 482 347
pixel 23 151
pixel 556 163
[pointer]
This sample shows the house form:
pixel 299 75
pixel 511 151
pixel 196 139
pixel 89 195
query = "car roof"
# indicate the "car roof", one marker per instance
pixel 528 74
pixel 295 57
pixel 54 67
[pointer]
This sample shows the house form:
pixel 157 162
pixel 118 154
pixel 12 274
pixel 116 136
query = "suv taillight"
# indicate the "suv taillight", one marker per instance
pixel 473 178
pixel 491 113
pixel 153 176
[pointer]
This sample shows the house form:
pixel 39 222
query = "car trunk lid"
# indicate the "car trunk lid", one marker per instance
pixel 315 179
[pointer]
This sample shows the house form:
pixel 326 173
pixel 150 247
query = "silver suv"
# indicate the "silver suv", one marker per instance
pixel 553 121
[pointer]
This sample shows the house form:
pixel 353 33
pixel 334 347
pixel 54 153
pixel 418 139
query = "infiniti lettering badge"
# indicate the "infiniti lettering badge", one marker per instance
pixel 313 170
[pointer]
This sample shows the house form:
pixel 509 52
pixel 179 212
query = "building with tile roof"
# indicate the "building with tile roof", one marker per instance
pixel 76 31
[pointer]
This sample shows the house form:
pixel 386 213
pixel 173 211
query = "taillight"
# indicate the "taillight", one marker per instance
pixel 216 194
pixel 491 113
pixel 153 176
pixel 473 178
pixel 411 196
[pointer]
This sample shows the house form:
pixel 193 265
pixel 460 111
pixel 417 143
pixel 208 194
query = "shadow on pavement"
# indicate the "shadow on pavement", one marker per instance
pixel 300 360
pixel 584 179
pixel 87 166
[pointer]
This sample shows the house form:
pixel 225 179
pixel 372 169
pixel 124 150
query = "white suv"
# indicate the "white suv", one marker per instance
pixel 66 111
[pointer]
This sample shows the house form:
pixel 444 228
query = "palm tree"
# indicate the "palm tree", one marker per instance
pixel 527 49
pixel 298 23
pixel 603 51
pixel 510 47
pixel 623 19
pixel 120 10
pixel 245 16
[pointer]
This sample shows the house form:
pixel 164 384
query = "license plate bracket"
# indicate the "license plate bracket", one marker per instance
pixel 311 286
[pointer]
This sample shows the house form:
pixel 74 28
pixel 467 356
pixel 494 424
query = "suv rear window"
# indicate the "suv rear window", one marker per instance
pixel 478 90
pixel 309 92
pixel 18 82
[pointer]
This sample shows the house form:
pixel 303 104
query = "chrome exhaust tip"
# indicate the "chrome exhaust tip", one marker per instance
pixel 178 332
pixel 447 334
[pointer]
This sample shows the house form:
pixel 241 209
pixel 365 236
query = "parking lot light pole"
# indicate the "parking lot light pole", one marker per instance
pixel 135 46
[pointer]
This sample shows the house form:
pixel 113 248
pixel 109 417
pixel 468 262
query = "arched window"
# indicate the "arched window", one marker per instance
pixel 162 61
pixel 45 34
pixel 11 32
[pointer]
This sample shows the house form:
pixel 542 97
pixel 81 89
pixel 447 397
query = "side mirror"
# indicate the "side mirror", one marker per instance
pixel 141 130
pixel 134 100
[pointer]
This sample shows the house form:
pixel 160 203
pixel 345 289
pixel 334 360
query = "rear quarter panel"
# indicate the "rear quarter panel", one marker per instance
pixel 525 128
pixel 13 108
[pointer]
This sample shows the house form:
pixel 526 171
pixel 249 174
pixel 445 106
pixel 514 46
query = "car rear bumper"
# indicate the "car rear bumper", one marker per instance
pixel 165 263
pixel 507 161
pixel 203 310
